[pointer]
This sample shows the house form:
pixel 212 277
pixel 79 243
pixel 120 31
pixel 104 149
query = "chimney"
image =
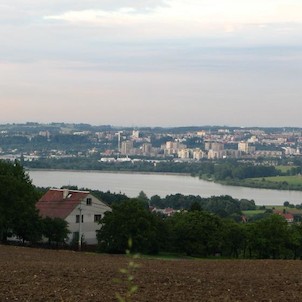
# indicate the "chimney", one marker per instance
pixel 65 193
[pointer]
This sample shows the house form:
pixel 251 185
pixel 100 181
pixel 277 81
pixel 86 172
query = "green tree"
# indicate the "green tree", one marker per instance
pixel 268 237
pixel 195 206
pixel 233 238
pixel 143 198
pixel 295 240
pixel 246 204
pixel 222 206
pixel 130 219
pixel 55 229
pixel 196 233
pixel 156 201
pixel 18 196
pixel 28 226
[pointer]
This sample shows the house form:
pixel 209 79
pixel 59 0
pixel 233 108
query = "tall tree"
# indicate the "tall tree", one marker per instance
pixel 295 240
pixel 268 237
pixel 143 198
pixel 233 238
pixel 17 202
pixel 196 233
pixel 129 219
pixel 55 229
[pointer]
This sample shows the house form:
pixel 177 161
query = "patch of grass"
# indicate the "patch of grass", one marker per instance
pixel 284 168
pixel 250 213
pixel 287 209
pixel 279 208
pixel 291 180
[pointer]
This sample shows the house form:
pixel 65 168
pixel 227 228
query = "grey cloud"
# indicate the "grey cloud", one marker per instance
pixel 93 48
pixel 191 85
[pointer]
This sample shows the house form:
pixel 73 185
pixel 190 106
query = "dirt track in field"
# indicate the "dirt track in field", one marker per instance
pixel 28 274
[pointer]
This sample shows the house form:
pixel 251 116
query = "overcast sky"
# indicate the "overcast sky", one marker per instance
pixel 151 63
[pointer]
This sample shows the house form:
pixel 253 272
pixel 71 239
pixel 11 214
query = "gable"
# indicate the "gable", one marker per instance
pixel 60 202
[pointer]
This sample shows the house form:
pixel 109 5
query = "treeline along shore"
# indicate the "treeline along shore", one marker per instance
pixel 228 172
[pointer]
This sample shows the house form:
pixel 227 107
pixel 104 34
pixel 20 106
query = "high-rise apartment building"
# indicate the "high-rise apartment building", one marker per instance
pixel 126 147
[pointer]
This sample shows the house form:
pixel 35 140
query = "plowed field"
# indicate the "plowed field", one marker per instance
pixel 28 274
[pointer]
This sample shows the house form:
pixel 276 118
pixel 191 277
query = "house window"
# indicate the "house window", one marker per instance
pixel 88 201
pixel 78 218
pixel 97 217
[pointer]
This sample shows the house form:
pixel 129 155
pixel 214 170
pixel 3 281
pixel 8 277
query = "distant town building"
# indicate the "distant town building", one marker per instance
pixel 215 146
pixel 185 153
pixel 216 154
pixel 207 146
pixel 172 147
pixel 135 134
pixel 291 151
pixel 44 133
pixel 201 133
pixel 246 148
pixel 253 139
pixel 233 153
pixel 243 146
pixel 198 154
pixel 265 153
pixel 146 149
pixel 107 160
pixel 126 147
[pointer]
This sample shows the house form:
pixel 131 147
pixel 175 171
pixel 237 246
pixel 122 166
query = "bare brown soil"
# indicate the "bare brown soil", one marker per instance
pixel 28 274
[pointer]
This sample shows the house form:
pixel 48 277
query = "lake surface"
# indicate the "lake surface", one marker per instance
pixel 161 184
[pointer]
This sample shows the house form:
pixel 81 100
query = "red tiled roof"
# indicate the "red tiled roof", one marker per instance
pixel 169 210
pixel 59 202
pixel 288 216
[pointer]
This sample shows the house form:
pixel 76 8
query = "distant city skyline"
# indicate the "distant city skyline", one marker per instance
pixel 152 63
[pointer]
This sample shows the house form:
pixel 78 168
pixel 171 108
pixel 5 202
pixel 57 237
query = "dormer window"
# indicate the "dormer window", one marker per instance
pixel 88 201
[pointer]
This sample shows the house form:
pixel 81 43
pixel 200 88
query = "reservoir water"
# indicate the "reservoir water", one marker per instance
pixel 161 184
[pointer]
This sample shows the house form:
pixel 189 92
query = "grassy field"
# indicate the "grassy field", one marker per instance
pixel 287 209
pixel 292 180
pixel 251 213
pixel 284 169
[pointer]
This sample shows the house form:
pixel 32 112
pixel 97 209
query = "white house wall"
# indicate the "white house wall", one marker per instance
pixel 88 226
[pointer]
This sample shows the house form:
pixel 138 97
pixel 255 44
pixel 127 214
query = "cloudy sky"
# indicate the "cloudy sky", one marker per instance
pixel 151 62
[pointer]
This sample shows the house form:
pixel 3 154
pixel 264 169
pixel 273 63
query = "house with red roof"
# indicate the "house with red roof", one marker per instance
pixel 80 209
pixel 289 217
pixel 167 211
